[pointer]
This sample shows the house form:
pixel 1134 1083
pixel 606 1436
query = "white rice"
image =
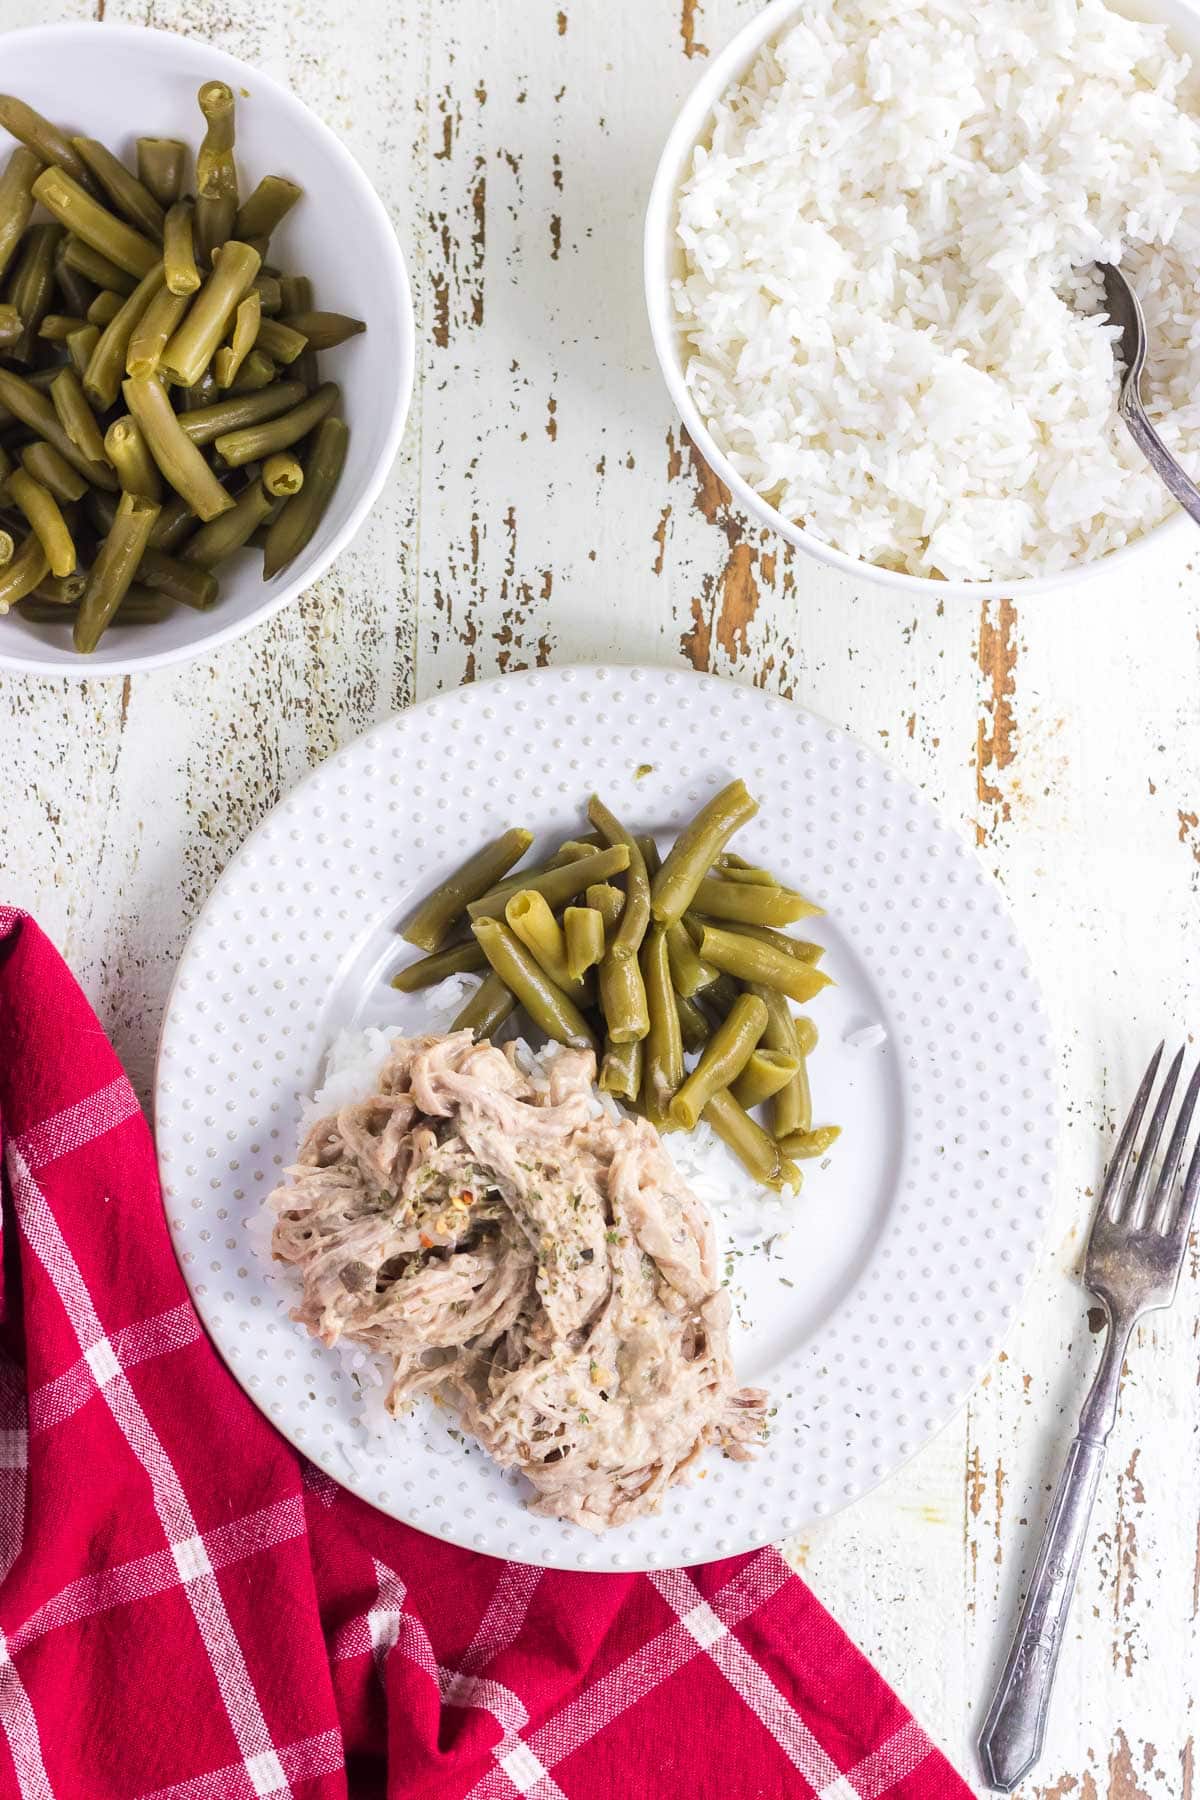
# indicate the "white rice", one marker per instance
pixel 887 236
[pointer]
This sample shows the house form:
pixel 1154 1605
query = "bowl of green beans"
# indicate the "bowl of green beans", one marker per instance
pixel 206 349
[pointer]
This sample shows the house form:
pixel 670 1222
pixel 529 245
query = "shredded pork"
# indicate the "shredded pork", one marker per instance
pixel 533 1261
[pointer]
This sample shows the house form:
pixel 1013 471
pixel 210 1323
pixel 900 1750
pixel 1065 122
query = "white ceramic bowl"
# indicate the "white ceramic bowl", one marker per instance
pixel 663 263
pixel 118 82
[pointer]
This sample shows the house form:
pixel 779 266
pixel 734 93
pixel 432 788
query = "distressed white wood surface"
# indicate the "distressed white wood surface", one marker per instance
pixel 544 508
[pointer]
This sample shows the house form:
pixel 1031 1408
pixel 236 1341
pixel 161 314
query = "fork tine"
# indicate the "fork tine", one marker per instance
pixel 1139 1203
pixel 1165 1193
pixel 1115 1178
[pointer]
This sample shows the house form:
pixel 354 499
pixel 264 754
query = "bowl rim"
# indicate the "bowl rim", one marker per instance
pixel 686 131
pixel 156 41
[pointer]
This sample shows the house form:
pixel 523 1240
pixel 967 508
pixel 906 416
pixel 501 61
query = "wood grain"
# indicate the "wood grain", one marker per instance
pixel 547 507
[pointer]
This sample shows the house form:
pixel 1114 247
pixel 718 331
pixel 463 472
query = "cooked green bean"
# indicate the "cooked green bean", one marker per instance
pixel 608 901
pixel 556 886
pixel 174 452
pixel 45 519
pixel 61 590
pixel 43 462
pixel 139 607
pixel 75 291
pixel 428 924
pixel 279 341
pixel 153 331
pixel 751 905
pixel 10 326
pixel 663 1061
pixel 214 542
pixel 799 948
pixel 621 1069
pixel 103 375
pixel 747 960
pixel 695 849
pixel 202 393
pixel 282 475
pixel 179 251
pixel 530 919
pixel 270 293
pixel 487 1009
pixel 635 915
pixel 131 199
pixel 126 450
pixel 7 547
pixel 306 369
pixel 552 1011
pixel 104 307
pixel 16 200
pixel 791 1109
pixel 216 171
pixel 33 409
pixel 650 854
pixel 44 139
pixel 56 328
pixel 255 442
pixel 807 1144
pixel 688 973
pixel 324 330
pixel 266 208
pixel 583 928
pixel 723 1059
pixel 67 202
pixel 257 372
pixel 195 343
pixel 114 569
pixel 765 1073
pixel 296 294
pixel 184 581
pixel 95 267
pixel 76 420
pixel 301 515
pixel 573 849
pixel 21 575
pixel 81 347
pixel 231 356
pixel 173 524
pixel 754 1147
pixel 31 289
pixel 162 167
pixel 623 998
pixel 736 868
pixel 207 423
pixel 693 1025
pixel 459 959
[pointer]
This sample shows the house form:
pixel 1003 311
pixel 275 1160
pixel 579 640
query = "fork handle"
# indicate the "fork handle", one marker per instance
pixel 1158 456
pixel 1011 1740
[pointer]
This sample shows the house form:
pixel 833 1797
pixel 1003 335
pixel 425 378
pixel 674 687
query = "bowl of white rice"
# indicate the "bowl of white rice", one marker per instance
pixel 869 264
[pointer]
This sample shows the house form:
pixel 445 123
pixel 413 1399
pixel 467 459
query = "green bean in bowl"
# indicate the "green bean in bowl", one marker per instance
pixel 176 348
pixel 676 968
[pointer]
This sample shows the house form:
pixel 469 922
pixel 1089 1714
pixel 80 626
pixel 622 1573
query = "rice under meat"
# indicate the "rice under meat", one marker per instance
pixel 514 1247
pixel 888 242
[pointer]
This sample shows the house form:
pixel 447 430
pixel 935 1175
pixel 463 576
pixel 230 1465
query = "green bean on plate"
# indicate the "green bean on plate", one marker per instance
pixel 677 968
pixel 146 355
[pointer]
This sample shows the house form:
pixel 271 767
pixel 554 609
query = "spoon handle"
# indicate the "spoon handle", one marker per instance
pixel 1158 456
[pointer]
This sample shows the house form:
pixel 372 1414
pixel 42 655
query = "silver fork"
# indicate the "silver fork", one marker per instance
pixel 1134 1255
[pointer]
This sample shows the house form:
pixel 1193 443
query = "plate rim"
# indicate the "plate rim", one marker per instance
pixel 980 1359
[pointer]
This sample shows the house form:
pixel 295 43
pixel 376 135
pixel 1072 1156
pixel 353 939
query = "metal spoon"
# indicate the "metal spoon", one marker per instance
pixel 1125 310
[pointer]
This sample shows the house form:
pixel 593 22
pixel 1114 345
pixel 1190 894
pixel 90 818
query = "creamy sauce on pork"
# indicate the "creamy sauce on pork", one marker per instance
pixel 542 1268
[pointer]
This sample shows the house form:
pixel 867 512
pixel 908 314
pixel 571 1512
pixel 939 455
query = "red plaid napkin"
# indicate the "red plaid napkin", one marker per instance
pixel 189 1609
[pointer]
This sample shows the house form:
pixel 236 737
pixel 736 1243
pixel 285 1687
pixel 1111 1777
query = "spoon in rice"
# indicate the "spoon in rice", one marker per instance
pixel 1125 311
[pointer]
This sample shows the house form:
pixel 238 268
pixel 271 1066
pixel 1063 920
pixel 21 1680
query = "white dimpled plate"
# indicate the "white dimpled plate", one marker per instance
pixel 867 1306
